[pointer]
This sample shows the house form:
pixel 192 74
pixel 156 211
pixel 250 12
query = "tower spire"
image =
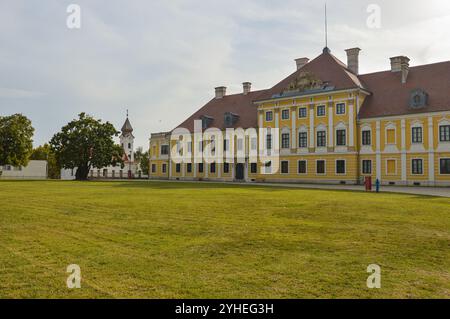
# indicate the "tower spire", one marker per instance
pixel 326 49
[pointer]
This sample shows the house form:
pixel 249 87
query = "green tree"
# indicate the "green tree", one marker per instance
pixel 86 143
pixel 16 140
pixel 144 162
pixel 45 153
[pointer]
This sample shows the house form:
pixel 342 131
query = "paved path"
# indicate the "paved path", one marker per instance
pixel 416 190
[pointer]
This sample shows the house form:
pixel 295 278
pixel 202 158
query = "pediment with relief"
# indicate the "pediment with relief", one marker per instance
pixel 305 81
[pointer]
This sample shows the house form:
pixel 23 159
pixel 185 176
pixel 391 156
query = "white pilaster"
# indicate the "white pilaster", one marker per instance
pixel 378 150
pixel 294 130
pixel 183 169
pixel 430 150
pixel 277 119
pixel 219 170
pixel 351 124
pixel 330 125
pixel 403 149
pixel 311 127
pixel 260 122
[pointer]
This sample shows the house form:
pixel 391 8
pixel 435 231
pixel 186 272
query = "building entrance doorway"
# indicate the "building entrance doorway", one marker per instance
pixel 239 172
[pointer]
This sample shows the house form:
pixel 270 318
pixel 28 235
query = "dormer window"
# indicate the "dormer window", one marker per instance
pixel 418 99
pixel 230 119
pixel 206 121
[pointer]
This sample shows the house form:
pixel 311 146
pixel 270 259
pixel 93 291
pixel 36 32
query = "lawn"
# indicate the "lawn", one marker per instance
pixel 187 240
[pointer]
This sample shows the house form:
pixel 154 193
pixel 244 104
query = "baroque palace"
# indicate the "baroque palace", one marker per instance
pixel 335 126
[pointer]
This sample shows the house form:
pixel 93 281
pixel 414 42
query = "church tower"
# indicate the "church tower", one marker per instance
pixel 127 139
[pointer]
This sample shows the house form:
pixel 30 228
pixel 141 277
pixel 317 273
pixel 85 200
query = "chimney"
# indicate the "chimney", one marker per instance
pixel 353 59
pixel 400 64
pixel 247 87
pixel 220 92
pixel 301 62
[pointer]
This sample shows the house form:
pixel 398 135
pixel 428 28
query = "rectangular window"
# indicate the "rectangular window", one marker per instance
pixel 212 168
pixel 303 139
pixel 226 168
pixel 320 167
pixel 367 167
pixel 444 133
pixel 285 115
pixel 321 110
pixel 269 116
pixel 444 166
pixel 253 168
pixel 285 140
pixel 390 136
pixel 391 167
pixel 178 168
pixel 164 168
pixel 153 168
pixel 417 135
pixel 269 141
pixel 417 166
pixel 340 167
pixel 284 167
pixel 321 139
pixel 341 138
pixel 340 108
pixel 200 167
pixel 366 138
pixel 164 149
pixel 302 167
pixel 302 112
pixel 189 167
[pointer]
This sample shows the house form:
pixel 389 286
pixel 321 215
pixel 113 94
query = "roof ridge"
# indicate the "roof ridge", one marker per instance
pixel 411 67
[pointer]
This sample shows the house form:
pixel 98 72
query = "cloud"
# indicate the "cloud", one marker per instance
pixel 162 59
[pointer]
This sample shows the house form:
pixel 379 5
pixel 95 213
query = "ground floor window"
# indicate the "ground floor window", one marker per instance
pixel 367 167
pixel 113 174
pixel 302 167
pixel 253 168
pixel 164 168
pixel 200 167
pixel 417 166
pixel 445 165
pixel 340 167
pixel 284 167
pixel 212 168
pixel 320 167
pixel 189 167
pixel 153 168
pixel 226 168
pixel 178 168
pixel 105 173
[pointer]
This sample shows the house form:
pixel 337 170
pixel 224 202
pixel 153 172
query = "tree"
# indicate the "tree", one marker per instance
pixel 45 153
pixel 86 143
pixel 16 140
pixel 144 162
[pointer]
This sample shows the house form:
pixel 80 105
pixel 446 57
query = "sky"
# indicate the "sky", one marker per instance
pixel 162 59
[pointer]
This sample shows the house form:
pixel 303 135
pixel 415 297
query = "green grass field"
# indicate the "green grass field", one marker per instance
pixel 186 240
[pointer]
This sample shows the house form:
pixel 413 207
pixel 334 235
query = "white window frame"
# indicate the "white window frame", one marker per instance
pixel 386 166
pixel 362 167
pixel 325 109
pixel 306 166
pixel 423 166
pixel 345 108
pixel 390 126
pixel 281 167
pixel 366 129
pixel 306 112
pixel 266 116
pixel 345 167
pixel 288 112
pixel 324 167
pixel 439 159
pixel 417 125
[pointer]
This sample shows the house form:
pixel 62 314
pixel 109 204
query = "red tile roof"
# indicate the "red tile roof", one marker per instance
pixel 391 97
pixel 239 104
pixel 325 67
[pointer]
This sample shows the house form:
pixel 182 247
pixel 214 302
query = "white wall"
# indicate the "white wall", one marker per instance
pixel 34 170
